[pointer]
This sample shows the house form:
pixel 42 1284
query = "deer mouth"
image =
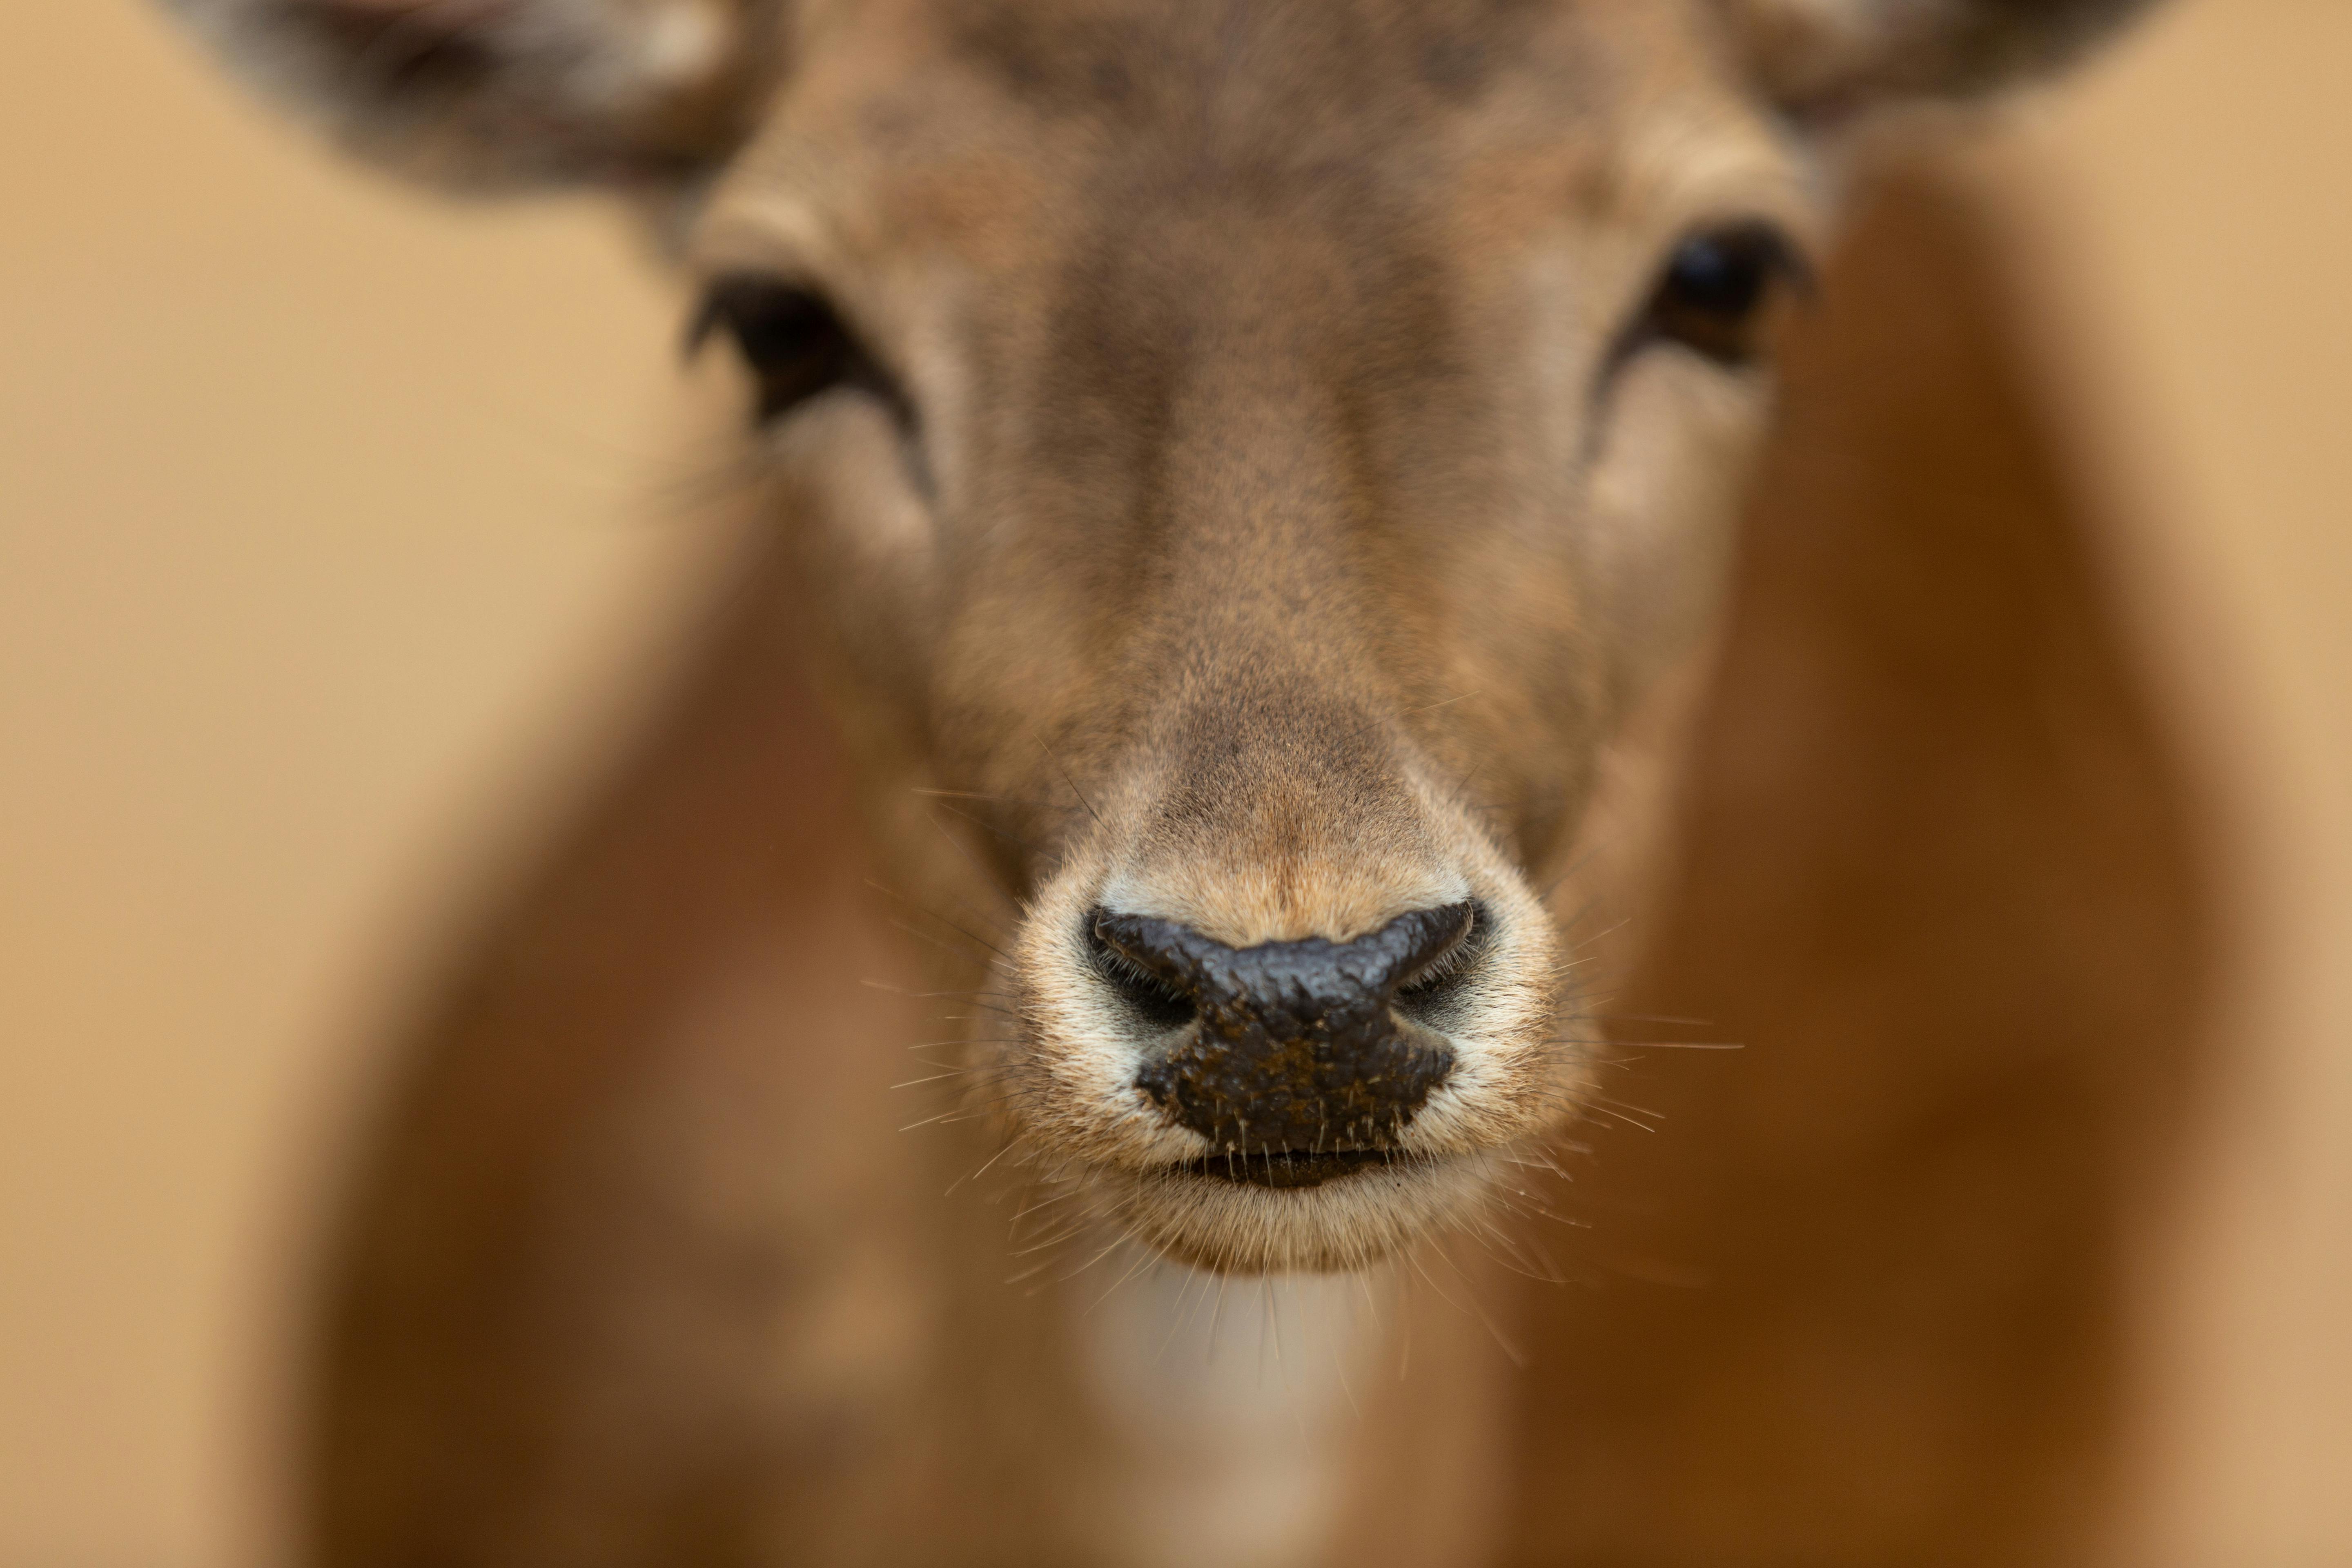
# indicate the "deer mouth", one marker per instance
pixel 1286 1167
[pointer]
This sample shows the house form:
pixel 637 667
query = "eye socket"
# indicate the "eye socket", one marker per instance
pixel 791 341
pixel 1714 294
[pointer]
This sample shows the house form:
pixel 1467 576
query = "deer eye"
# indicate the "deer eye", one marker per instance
pixel 791 341
pixel 1713 295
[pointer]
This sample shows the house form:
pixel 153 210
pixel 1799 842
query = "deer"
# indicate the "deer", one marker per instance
pixel 1249 497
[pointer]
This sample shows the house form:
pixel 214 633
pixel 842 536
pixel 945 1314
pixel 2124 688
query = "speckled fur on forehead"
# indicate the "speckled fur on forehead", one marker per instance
pixel 1124 61
pixel 1227 92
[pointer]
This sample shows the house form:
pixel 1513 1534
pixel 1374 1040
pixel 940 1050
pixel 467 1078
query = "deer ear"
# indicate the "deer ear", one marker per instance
pixel 489 93
pixel 1822 57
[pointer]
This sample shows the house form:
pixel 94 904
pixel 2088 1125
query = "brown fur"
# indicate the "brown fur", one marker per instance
pixel 1854 1300
pixel 1272 539
pixel 1857 1301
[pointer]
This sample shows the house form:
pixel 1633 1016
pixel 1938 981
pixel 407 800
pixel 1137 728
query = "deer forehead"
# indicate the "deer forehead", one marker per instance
pixel 916 138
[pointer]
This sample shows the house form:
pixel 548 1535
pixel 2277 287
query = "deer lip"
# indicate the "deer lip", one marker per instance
pixel 1285 1167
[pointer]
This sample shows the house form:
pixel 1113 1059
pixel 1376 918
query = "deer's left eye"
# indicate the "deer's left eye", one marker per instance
pixel 791 341
pixel 1713 293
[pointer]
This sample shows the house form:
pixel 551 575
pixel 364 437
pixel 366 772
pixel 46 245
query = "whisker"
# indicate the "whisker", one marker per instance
pixel 938 943
pixel 1067 779
pixel 953 995
pixel 1010 1144
pixel 957 844
pixel 934 914
pixel 982 823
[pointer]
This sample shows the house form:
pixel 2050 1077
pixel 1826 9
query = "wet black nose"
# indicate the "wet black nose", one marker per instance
pixel 1298 1048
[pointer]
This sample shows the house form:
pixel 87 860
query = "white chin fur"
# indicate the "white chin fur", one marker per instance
pixel 1348 1223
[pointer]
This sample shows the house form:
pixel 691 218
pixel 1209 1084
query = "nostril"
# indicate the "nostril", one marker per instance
pixel 1433 993
pixel 1159 1003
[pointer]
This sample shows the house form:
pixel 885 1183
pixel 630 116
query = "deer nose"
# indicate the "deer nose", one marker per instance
pixel 1296 1049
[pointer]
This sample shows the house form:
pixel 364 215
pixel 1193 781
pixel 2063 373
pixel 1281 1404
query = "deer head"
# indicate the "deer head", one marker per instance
pixel 1260 454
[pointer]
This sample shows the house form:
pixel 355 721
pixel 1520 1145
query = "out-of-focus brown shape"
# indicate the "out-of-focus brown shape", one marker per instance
pixel 1855 1299
pixel 566 1290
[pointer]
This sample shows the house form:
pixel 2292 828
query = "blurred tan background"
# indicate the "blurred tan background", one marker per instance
pixel 339 528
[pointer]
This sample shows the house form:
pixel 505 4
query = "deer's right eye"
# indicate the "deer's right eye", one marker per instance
pixel 1712 295
pixel 791 341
